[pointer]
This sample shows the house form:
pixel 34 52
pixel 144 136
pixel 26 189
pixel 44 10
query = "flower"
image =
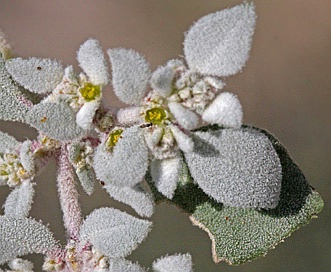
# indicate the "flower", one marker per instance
pixel 83 93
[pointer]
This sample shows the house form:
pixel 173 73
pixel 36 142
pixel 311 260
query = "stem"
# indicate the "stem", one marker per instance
pixel 68 195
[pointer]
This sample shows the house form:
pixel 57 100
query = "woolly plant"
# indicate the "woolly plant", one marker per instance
pixel 180 140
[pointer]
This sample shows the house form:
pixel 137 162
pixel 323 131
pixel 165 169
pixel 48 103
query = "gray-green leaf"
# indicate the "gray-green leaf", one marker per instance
pixel 7 142
pixel 242 234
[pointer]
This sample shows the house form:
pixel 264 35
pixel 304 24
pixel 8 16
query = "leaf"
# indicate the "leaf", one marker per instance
pixel 127 163
pixel 56 120
pixel 7 142
pixel 174 263
pixel 114 233
pixel 141 201
pixel 18 202
pixel 241 234
pixel 37 75
pixel 122 265
pixel 239 168
pixel 92 60
pixel 130 73
pixel 218 44
pixel 24 236
pixel 13 104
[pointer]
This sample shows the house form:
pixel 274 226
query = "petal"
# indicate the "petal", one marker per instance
pixel 21 265
pixel 85 115
pixel 56 120
pixel 162 80
pixel 86 178
pixel 93 62
pixel 218 44
pixel 165 174
pixel 116 234
pixel 225 110
pixel 127 164
pixel 184 141
pixel 141 201
pixel 186 118
pixel 239 168
pixel 174 263
pixel 18 202
pixel 37 75
pixel 130 75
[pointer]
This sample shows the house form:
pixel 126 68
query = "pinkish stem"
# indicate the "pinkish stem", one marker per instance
pixel 68 195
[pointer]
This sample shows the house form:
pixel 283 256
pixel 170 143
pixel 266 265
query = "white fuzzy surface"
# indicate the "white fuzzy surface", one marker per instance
pixel 27 157
pixel 129 116
pixel 114 233
pixel 186 118
pixel 219 43
pixel 85 115
pixel 7 142
pixel 130 75
pixel 239 168
pixel 165 174
pixel 56 120
pixel 162 79
pixel 93 62
pixel 141 201
pixel 18 202
pixel 122 265
pixel 174 263
pixel 127 164
pixel 37 75
pixel 23 236
pixel 225 111
pixel 184 141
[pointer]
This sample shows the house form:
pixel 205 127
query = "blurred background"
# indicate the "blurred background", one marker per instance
pixel 284 88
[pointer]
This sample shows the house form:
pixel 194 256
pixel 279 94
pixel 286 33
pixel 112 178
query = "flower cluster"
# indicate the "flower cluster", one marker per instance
pixel 159 133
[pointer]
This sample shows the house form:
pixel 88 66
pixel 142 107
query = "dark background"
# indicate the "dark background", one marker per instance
pixel 285 88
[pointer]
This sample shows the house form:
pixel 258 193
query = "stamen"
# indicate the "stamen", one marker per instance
pixel 90 91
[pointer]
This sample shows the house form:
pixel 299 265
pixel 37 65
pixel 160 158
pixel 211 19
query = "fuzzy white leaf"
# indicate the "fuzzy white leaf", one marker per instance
pixel 24 236
pixel 13 104
pixel 239 168
pixel 142 202
pixel 114 233
pixel 218 44
pixel 129 116
pixel 225 111
pixel 122 265
pixel 7 142
pixel 92 60
pixel 186 118
pixel 127 164
pixel 87 179
pixel 85 115
pixel 56 120
pixel 130 75
pixel 184 141
pixel 37 75
pixel 174 263
pixel 18 202
pixel 27 157
pixel 165 174
pixel 21 265
pixel 162 80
